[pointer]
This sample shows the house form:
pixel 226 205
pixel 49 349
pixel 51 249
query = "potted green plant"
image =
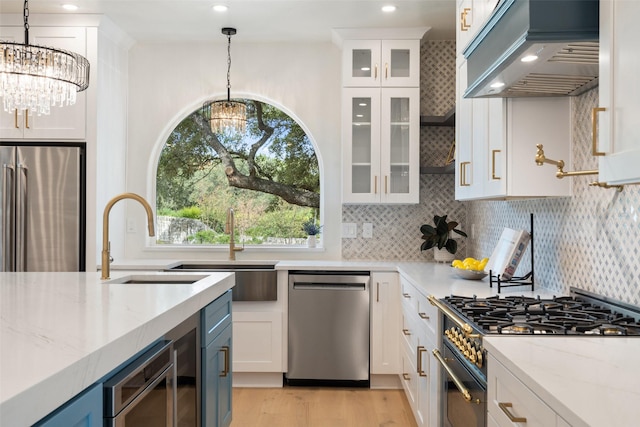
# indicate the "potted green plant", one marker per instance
pixel 312 229
pixel 438 236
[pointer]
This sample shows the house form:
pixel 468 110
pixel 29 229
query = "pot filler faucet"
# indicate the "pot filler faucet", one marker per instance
pixel 106 244
pixel 229 230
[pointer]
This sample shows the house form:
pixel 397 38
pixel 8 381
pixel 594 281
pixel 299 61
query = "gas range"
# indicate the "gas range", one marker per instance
pixel 467 320
pixel 581 313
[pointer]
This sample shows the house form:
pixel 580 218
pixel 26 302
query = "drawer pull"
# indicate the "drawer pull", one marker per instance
pixel 504 406
pixel 420 369
pixel 406 332
pixel 407 377
pixel 423 316
pixel 406 295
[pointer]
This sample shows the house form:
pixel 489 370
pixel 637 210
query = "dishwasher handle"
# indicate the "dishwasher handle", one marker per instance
pixel 330 286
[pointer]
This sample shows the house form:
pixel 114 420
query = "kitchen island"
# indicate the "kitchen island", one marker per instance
pixel 62 332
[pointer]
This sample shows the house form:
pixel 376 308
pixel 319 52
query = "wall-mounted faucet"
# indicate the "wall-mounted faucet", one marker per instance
pixel 106 244
pixel 229 229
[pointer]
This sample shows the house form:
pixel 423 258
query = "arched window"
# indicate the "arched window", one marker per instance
pixel 269 176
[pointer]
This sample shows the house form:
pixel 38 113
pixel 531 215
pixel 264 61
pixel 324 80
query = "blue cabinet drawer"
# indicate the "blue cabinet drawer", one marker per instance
pixel 215 317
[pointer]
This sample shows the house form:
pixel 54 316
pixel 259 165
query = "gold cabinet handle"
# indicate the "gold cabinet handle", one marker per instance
pixel 385 184
pixel 386 70
pixel 423 316
pixel 26 119
pixel 463 19
pixel 406 332
pixel 375 184
pixel 377 291
pixel 406 376
pixel 375 72
pixel 406 295
pixel 15 118
pixel 420 370
pixel 225 351
pixel 493 164
pixel 504 406
pixel 594 131
pixel 463 174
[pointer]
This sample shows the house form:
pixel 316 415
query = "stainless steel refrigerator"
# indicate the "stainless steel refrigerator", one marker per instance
pixel 42 207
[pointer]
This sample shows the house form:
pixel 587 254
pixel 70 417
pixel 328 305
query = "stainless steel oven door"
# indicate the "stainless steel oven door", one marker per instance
pixel 143 393
pixel 464 397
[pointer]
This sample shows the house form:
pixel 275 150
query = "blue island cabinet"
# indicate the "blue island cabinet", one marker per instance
pixel 216 362
pixel 84 410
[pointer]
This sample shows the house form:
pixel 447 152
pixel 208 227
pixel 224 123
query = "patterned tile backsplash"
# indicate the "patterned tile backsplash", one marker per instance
pixel 590 240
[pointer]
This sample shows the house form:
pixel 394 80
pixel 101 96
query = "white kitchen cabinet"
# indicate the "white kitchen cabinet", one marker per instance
pixel 510 402
pixel 618 132
pixel 64 123
pixel 257 340
pixel 496 142
pixel 385 321
pixel 420 373
pixel 375 63
pixel 380 141
pixel 471 16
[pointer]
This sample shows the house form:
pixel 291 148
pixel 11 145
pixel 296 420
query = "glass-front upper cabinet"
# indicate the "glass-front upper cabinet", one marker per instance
pixel 374 63
pixel 400 145
pixel 381 150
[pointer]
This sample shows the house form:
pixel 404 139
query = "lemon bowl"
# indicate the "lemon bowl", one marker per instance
pixel 469 274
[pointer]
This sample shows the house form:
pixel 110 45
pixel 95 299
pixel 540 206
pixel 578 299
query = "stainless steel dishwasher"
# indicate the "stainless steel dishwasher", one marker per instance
pixel 328 328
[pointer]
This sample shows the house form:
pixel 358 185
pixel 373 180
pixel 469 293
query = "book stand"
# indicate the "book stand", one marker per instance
pixel 526 280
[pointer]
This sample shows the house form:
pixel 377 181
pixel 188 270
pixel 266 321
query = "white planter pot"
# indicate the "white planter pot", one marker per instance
pixel 442 255
pixel 311 241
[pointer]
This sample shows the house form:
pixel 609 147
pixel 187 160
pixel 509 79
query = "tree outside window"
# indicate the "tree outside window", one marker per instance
pixel 269 176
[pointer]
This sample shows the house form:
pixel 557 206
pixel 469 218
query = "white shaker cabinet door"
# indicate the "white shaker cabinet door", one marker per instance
pixel 619 91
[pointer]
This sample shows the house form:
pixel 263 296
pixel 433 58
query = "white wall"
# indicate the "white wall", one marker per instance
pixel 169 81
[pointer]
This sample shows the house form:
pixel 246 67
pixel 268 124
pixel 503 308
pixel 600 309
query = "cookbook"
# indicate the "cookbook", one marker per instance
pixel 507 254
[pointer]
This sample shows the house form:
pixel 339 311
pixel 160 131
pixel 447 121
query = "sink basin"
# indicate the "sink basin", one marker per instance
pixel 159 279
pixel 254 282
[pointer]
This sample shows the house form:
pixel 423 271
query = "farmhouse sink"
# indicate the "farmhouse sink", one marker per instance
pixel 160 279
pixel 254 282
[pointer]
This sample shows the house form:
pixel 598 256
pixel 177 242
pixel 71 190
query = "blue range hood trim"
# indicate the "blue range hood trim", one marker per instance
pixel 518 25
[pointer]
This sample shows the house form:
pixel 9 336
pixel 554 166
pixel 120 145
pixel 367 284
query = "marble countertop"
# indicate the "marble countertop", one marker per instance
pixel 588 381
pixel 74 329
pixel 61 332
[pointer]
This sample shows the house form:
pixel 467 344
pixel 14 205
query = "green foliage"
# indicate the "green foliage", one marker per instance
pixel 193 212
pixel 311 227
pixel 439 236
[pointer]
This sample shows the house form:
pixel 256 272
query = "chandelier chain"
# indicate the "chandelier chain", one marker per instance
pixel 26 21
pixel 229 68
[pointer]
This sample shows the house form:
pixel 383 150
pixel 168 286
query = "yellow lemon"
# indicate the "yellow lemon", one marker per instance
pixel 467 260
pixel 482 264
pixel 456 263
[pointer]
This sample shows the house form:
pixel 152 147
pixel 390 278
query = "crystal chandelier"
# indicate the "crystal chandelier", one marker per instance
pixel 227 115
pixel 35 78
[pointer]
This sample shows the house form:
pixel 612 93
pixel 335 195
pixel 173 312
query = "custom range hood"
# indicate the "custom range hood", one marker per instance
pixel 535 48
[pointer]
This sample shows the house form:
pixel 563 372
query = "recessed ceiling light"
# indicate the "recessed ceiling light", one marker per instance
pixel 497 85
pixel 529 58
pixel 388 8
pixel 220 8
pixel 69 7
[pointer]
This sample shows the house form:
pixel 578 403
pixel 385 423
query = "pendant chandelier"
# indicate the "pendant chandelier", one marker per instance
pixel 35 78
pixel 227 115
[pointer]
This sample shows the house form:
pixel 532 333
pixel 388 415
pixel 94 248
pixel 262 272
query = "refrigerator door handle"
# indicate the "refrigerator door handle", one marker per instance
pixel 8 218
pixel 21 218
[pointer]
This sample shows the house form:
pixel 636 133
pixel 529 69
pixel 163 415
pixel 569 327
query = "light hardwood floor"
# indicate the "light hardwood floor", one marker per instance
pixel 320 407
